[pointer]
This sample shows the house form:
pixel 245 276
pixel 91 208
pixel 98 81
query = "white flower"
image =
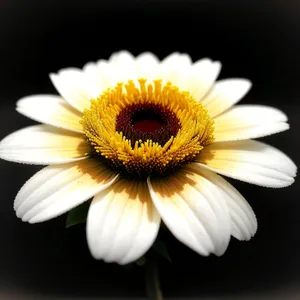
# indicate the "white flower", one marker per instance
pixel 147 149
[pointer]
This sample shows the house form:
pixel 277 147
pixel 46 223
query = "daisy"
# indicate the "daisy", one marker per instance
pixel 145 139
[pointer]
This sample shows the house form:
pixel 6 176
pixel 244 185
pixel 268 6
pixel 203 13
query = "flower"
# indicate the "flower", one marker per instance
pixel 145 138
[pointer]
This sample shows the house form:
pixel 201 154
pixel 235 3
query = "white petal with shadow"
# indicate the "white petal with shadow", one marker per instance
pixel 43 145
pixel 51 110
pixel 194 210
pixel 249 161
pixel 224 94
pixel 243 219
pixel 56 189
pixel 249 121
pixel 122 222
pixel 76 87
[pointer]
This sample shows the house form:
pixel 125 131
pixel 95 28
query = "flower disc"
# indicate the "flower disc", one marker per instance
pixel 145 129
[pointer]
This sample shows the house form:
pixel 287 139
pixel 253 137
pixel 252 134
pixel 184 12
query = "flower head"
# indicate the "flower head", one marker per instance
pixel 145 138
pixel 147 129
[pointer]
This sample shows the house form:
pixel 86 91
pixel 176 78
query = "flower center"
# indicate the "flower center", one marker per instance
pixel 147 129
pixel 147 121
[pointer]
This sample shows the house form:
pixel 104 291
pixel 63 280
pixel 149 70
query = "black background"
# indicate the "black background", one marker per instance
pixel 253 39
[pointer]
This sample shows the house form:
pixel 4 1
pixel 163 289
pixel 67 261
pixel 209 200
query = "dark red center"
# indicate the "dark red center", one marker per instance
pixel 147 125
pixel 147 122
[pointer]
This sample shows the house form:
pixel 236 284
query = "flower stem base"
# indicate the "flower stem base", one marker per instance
pixel 152 279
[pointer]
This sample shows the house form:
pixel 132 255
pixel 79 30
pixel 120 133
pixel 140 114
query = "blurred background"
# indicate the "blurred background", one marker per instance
pixel 259 40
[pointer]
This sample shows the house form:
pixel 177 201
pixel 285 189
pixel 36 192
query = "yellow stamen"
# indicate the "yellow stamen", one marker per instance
pixel 147 157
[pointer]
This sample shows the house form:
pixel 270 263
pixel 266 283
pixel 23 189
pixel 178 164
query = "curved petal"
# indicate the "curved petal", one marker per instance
pixel 43 145
pixel 194 210
pixel 249 161
pixel 249 121
pixel 121 57
pixel 243 219
pixel 224 94
pixel 102 74
pixel 147 65
pixel 195 78
pixel 51 110
pixel 96 77
pixel 108 74
pixel 175 58
pixel 173 66
pixel 76 87
pixel 122 222
pixel 124 65
pixel 56 189
pixel 202 77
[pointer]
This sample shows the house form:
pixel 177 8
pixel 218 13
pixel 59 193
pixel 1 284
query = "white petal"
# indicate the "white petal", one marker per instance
pixel 121 57
pixel 43 145
pixel 50 109
pixel 56 189
pixel 173 68
pixel 76 87
pixel 124 65
pixel 248 122
pixel 120 67
pixel 202 76
pixel 96 77
pixel 194 210
pixel 249 161
pixel 195 78
pixel 108 74
pixel 243 220
pixel 176 58
pixel 147 65
pixel 224 94
pixel 122 222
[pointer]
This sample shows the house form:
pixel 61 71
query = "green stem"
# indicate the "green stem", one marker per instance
pixel 152 279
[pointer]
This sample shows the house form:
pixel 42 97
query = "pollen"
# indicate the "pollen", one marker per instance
pixel 147 128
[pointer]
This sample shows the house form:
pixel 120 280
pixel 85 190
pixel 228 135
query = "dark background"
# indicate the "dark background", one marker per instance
pixel 253 39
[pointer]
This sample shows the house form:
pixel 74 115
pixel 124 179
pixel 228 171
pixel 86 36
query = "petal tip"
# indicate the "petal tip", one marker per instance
pixel 283 184
pixel 218 66
pixel 220 251
pixel 18 214
pixel 245 85
pixel 52 76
